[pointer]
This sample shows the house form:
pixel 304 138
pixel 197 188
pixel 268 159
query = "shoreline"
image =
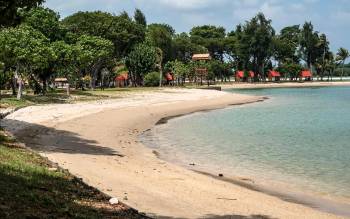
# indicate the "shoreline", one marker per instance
pixel 102 148
pixel 333 205
pixel 305 84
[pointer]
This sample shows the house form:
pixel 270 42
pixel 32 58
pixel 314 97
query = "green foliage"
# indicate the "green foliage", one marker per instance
pixel 26 47
pixel 308 44
pixel 141 60
pixel 160 35
pixel 140 18
pixel 10 10
pixel 44 20
pixel 184 48
pixel 152 79
pixel 290 70
pixel 121 30
pixel 211 37
pixel 178 68
pixel 92 49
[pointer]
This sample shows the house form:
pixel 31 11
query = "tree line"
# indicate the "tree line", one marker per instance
pixel 36 46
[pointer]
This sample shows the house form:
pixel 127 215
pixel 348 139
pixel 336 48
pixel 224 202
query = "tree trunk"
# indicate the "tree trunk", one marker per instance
pixel 44 86
pixel 19 80
pixel 68 89
pixel 342 71
pixel 13 85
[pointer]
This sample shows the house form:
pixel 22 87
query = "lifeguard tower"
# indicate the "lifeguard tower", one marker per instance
pixel 201 72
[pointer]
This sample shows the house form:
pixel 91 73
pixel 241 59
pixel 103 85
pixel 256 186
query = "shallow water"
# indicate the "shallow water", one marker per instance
pixel 300 137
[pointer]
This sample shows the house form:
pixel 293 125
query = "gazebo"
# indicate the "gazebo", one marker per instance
pixel 169 78
pixel 274 75
pixel 241 76
pixel 122 80
pixel 61 82
pixel 201 72
pixel 305 74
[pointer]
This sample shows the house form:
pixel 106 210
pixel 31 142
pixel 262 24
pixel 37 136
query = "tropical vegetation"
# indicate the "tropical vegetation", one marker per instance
pixel 86 48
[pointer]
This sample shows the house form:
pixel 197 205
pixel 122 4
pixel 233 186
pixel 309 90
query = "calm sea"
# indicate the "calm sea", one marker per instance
pixel 299 137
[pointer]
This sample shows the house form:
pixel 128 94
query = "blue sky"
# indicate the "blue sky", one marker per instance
pixel 331 17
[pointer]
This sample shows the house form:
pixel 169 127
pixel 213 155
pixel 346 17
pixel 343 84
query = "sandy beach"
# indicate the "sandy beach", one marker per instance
pixel 98 141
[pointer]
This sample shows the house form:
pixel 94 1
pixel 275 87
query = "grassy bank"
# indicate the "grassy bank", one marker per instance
pixel 60 96
pixel 30 187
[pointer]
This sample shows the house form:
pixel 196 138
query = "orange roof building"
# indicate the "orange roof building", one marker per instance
pixel 122 77
pixel 306 74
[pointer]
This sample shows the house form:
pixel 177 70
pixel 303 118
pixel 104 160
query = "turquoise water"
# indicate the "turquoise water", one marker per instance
pixel 300 137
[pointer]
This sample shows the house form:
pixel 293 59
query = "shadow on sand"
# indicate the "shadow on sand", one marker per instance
pixel 223 217
pixel 50 140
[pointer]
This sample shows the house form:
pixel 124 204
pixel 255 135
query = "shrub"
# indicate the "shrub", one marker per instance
pixel 152 79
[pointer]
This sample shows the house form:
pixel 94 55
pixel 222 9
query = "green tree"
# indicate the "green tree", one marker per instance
pixel 140 18
pixel 308 44
pixel 44 20
pixel 26 50
pixel 141 60
pixel 179 69
pixel 67 61
pixel 342 55
pixel 259 33
pixel 121 30
pixel 211 37
pixel 160 35
pixel 285 45
pixel 184 48
pixel 10 10
pixel 94 52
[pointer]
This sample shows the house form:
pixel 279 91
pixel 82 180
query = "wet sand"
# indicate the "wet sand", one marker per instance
pixel 98 142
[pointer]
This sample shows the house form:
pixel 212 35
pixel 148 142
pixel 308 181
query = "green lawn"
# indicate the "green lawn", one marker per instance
pixel 31 188
pixel 59 96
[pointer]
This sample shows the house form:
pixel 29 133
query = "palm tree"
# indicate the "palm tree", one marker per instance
pixel 342 55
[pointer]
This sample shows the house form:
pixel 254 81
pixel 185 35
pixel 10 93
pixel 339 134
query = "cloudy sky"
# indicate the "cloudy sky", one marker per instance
pixel 331 17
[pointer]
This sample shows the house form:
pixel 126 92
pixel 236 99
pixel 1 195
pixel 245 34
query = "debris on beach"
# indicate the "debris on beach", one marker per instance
pixel 221 175
pixel 113 201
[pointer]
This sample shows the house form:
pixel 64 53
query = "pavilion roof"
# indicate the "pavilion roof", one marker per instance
pixel 204 56
pixel 273 73
pixel 305 74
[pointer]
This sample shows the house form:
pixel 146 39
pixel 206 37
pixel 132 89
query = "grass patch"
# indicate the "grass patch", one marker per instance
pixel 31 188
pixel 60 96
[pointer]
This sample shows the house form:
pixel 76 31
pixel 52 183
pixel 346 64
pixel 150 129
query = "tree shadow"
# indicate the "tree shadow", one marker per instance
pixel 233 216
pixel 46 139
pixel 28 192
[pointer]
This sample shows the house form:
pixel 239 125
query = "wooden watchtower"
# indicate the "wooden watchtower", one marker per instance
pixel 201 72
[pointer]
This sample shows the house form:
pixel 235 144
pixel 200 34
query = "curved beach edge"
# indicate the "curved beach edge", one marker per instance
pixel 98 143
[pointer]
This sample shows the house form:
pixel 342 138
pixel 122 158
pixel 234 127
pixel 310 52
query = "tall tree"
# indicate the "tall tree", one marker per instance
pixel 66 63
pixel 10 10
pixel 342 55
pixel 308 44
pixel 160 35
pixel 26 50
pixel 121 30
pixel 140 61
pixel 94 53
pixel 140 18
pixel 184 48
pixel 44 20
pixel 211 37
pixel 256 40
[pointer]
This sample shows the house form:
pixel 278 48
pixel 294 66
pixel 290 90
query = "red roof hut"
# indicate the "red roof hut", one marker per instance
pixel 121 80
pixel 240 75
pixel 306 74
pixel 274 74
